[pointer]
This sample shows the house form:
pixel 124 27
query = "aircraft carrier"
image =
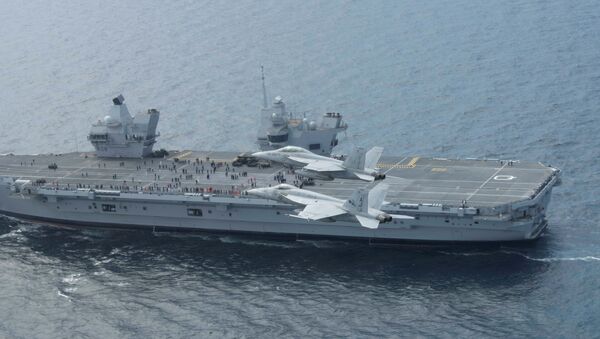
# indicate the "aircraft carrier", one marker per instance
pixel 451 200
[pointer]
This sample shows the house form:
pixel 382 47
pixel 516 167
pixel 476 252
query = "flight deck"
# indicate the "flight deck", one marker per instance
pixel 412 179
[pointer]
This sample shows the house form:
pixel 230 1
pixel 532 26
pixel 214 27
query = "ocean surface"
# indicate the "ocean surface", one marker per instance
pixel 513 79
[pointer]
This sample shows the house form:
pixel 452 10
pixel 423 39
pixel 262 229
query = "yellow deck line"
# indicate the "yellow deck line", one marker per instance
pixel 411 164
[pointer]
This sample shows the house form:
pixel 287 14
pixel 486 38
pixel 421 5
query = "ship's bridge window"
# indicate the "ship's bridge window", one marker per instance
pixel 109 208
pixel 314 146
pixel 278 138
pixel 194 212
pixel 98 136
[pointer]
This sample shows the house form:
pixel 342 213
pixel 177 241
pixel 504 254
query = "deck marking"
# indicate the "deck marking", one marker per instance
pixel 488 180
pixel 414 193
pixel 504 177
pixel 411 164
pixel 73 172
pixel 455 180
pixel 396 164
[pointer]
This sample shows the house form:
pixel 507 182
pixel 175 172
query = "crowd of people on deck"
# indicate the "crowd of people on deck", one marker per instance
pixel 185 180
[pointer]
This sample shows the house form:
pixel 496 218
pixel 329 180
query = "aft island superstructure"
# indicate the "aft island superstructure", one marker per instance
pixel 279 128
pixel 448 200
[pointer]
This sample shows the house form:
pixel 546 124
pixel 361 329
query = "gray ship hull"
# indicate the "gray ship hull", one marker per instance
pixel 227 217
pixel 451 200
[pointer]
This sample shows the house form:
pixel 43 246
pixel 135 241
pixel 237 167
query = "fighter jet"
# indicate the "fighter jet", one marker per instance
pixel 364 204
pixel 359 164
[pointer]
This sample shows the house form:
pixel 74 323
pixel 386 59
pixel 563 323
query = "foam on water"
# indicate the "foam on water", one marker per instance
pixel 588 258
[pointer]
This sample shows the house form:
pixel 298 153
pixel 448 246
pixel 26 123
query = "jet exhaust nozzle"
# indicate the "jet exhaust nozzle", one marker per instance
pixel 384 218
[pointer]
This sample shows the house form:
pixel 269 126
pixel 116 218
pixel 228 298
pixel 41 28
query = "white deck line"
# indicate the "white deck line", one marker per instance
pixel 489 164
pixel 72 172
pixel 415 193
pixel 453 180
pixel 485 182
pixel 394 166
pixel 449 201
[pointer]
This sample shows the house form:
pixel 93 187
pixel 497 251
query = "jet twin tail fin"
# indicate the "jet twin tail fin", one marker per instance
pixel 363 198
pixel 372 157
pixel 358 202
pixel 377 195
pixel 356 159
pixel 361 160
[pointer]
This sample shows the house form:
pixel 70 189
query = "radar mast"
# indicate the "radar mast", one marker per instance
pixel 264 88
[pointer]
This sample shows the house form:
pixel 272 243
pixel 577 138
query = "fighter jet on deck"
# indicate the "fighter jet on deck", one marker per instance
pixel 359 164
pixel 364 204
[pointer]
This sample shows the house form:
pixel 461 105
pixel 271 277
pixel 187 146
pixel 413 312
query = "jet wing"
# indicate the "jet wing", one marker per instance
pixel 367 222
pixel 301 200
pixel 323 166
pixel 321 210
pixel 300 160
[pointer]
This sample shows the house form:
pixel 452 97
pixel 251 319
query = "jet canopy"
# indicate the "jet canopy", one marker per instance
pixel 292 149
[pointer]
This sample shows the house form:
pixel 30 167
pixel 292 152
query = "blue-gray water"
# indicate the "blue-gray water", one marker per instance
pixel 509 79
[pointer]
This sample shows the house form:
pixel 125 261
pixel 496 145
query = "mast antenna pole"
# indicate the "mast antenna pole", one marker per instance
pixel 264 88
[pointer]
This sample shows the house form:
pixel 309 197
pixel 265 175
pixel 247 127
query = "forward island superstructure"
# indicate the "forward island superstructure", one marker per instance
pixel 121 135
pixel 439 199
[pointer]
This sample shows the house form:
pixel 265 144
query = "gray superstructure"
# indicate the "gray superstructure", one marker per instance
pixel 456 200
pixel 279 128
pixel 120 135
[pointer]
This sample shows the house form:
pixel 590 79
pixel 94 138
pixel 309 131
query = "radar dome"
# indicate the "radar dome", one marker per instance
pixel 110 121
pixel 312 125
